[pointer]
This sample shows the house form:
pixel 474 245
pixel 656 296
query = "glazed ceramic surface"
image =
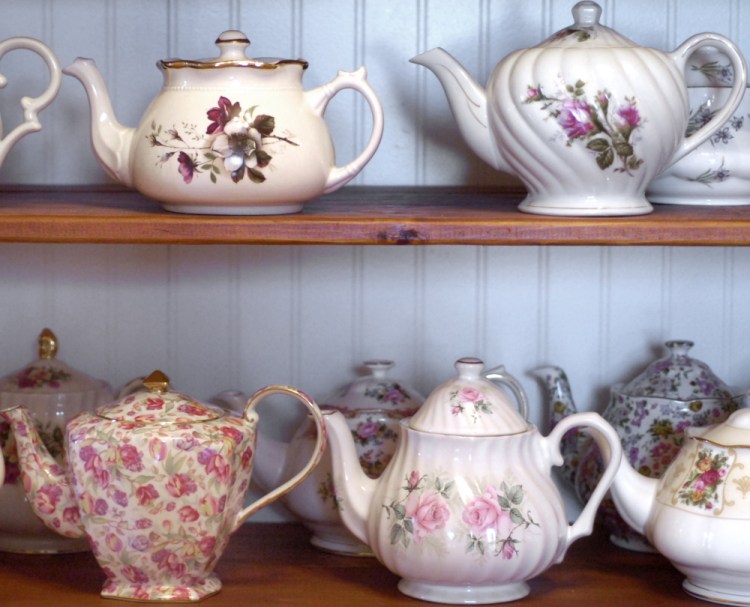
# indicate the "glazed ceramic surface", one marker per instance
pixel 373 406
pixel 31 105
pixel 467 516
pixel 156 483
pixel 229 135
pixel 651 414
pixel 698 513
pixel 587 118
pixel 53 393
pixel 716 173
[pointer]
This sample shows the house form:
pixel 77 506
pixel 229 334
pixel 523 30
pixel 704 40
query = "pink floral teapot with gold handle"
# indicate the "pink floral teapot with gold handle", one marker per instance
pixel 156 481
pixel 466 510
pixel 586 119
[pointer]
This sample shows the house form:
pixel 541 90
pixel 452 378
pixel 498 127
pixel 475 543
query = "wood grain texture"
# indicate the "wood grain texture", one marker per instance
pixel 356 215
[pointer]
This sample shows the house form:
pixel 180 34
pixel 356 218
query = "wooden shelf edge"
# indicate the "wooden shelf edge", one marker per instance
pixel 353 216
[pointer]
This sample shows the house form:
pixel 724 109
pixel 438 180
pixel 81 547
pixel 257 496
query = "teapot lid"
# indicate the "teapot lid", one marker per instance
pixel 469 405
pixel 49 376
pixel 377 390
pixel 159 405
pixel 677 377
pixel 733 432
pixel 586 31
pixel 232 53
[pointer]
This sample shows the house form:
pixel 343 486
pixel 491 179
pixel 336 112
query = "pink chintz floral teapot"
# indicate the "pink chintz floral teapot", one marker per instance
pixel 466 510
pixel 156 482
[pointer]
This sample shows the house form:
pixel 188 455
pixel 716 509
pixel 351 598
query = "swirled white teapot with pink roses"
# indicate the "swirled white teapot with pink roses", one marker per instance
pixel 228 135
pixel 466 510
pixel 586 119
pixel 156 481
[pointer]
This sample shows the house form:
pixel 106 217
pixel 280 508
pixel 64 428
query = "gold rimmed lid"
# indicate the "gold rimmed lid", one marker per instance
pixel 233 46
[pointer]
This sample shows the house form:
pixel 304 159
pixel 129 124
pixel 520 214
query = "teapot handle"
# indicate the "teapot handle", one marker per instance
pixel 584 524
pixel 31 105
pixel 319 98
pixel 680 56
pixel 320 444
pixel 499 375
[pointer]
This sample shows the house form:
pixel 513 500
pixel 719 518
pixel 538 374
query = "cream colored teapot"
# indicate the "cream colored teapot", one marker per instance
pixel 466 510
pixel 228 135
pixel 586 119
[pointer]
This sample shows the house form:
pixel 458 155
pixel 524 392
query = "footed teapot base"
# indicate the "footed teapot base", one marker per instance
pixel 127 591
pixel 464 594
pixel 583 206
pixel 716 596
pixel 218 209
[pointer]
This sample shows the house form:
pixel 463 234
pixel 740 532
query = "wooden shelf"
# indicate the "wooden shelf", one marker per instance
pixel 354 215
pixel 274 564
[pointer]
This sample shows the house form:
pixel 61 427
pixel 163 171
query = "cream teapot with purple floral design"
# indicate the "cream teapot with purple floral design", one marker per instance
pixel 587 118
pixel 228 135
pixel 466 510
pixel 156 482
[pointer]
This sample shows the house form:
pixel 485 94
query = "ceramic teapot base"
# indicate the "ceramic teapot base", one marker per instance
pixel 202 589
pixel 337 540
pixel 717 596
pixel 209 209
pixel 581 205
pixel 464 594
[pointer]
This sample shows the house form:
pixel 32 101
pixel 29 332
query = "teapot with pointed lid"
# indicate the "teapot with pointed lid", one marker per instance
pixel 587 118
pixel 466 511
pixel 156 482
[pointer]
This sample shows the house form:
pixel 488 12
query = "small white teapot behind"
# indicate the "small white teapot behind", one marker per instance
pixel 466 511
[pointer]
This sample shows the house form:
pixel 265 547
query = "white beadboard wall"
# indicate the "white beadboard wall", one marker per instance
pixel 218 317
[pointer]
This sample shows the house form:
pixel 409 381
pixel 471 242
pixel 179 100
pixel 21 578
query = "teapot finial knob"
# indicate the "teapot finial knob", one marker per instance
pixel 157 382
pixel 47 344
pixel 469 367
pixel 587 13
pixel 232 44
pixel 379 368
pixel 679 347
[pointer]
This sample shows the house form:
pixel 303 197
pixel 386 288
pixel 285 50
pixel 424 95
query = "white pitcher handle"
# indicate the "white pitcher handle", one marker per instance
pixel 501 376
pixel 31 105
pixel 680 56
pixel 584 524
pixel 319 98
pixel 320 444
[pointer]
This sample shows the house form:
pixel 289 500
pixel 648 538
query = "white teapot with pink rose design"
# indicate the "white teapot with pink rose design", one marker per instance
pixel 466 511
pixel 156 482
pixel 586 119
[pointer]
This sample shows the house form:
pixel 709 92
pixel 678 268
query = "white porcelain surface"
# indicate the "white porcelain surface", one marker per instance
pixel 229 135
pixel 31 105
pixel 586 119
pixel 698 513
pixel 464 518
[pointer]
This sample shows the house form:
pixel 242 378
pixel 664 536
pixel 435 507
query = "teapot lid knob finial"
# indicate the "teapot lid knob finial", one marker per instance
pixel 47 344
pixel 469 367
pixel 587 13
pixel 157 382
pixel 232 44
pixel 379 368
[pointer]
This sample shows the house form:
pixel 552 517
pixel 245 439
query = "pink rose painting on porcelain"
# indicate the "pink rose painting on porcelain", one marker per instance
pixel 430 511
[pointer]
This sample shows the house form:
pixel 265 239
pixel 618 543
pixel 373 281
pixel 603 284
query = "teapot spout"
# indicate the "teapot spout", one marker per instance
pixel 559 399
pixel 633 494
pixel 352 486
pixel 45 483
pixel 468 102
pixel 111 140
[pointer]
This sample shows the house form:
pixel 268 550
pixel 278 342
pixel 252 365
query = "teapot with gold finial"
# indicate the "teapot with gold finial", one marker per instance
pixel 156 482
